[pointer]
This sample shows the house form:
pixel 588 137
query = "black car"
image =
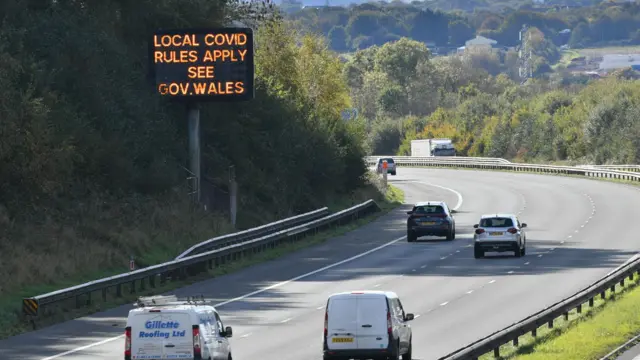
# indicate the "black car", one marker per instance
pixel 430 218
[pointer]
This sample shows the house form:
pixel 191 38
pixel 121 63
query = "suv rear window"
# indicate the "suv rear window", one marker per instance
pixel 428 209
pixel 496 222
pixel 389 161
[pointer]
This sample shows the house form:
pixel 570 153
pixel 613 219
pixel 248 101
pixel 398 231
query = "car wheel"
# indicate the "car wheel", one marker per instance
pixel 523 250
pixel 451 234
pixel 478 253
pixel 518 252
pixel 411 236
pixel 407 356
pixel 393 173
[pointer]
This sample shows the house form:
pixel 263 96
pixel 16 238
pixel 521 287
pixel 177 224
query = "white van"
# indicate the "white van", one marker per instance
pixel 162 327
pixel 366 325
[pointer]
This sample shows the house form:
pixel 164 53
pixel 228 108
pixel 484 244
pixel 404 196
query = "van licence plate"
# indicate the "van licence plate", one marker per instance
pixel 496 233
pixel 342 340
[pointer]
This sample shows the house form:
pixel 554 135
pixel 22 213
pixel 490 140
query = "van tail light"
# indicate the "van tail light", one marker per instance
pixel 389 326
pixel 127 342
pixel 513 230
pixel 326 324
pixel 479 231
pixel 197 351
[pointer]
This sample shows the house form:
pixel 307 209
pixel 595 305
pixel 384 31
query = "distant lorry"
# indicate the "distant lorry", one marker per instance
pixel 432 147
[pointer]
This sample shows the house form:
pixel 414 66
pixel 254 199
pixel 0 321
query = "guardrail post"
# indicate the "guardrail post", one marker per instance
pixel 579 309
pixel 104 294
pixel 622 282
pixel 551 324
pixel 591 302
pixel 603 295
pixel 515 341
pixel 566 316
pixel 119 290
pixel 631 276
pixel 152 281
pixel 613 289
pixel 534 332
pixel 496 352
pixel 132 288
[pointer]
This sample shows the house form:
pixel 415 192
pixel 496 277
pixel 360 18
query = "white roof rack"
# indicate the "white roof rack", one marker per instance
pixel 170 300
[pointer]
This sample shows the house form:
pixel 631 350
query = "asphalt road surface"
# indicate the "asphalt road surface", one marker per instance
pixel 579 230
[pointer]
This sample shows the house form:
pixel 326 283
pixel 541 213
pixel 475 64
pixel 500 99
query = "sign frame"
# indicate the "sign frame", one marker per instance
pixel 249 64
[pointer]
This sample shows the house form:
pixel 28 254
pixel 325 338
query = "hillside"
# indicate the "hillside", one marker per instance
pixel 443 27
pixel 92 160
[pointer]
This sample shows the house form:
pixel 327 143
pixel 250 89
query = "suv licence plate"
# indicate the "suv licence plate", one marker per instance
pixel 497 233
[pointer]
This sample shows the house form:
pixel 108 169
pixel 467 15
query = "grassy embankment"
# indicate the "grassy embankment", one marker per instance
pixel 203 225
pixel 587 336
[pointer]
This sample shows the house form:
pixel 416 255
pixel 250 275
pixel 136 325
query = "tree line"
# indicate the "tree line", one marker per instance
pixel 364 25
pixel 403 94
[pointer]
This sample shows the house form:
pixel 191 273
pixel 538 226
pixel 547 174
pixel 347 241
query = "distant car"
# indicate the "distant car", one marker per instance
pixel 391 165
pixel 430 218
pixel 366 325
pixel 499 233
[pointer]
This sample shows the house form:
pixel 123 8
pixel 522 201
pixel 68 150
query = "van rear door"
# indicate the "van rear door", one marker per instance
pixel 342 323
pixel 161 335
pixel 372 322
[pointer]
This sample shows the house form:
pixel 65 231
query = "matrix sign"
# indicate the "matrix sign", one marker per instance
pixel 210 64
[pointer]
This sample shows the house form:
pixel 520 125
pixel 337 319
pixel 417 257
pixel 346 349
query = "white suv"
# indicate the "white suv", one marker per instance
pixel 499 233
pixel 366 325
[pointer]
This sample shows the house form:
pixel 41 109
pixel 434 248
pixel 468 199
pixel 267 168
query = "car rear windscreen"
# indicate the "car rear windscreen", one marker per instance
pixel 496 222
pixel 428 209
pixel 389 161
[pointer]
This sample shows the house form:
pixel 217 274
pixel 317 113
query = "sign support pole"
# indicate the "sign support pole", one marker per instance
pixel 194 147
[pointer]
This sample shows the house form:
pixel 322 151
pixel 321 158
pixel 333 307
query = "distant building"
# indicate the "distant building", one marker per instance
pixel 480 44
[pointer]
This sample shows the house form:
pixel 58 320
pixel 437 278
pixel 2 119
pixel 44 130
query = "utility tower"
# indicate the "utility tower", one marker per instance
pixel 525 65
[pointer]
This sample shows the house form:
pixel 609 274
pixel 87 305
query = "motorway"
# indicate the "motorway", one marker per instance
pixel 579 230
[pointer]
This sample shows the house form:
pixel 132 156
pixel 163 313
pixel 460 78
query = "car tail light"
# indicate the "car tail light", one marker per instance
pixel 389 326
pixel 479 231
pixel 513 230
pixel 197 351
pixel 127 342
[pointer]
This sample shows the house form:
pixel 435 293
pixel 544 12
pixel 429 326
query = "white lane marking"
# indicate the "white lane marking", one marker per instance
pixel 413 270
pixel 527 263
pixel 245 335
pixel 320 308
pixel 569 237
pixel 510 272
pixel 492 281
pixel 469 292
pixel 540 255
pixel 444 303
pixel 239 298
pixel 442 258
pixel 416 316
pixel 457 251
pixel 460 199
pixel 552 249
pixel 582 226
pixel 376 285
pixel 562 242
pixel 423 266
pixel 285 320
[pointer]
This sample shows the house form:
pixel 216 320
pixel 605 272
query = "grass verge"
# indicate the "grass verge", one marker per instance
pixel 11 324
pixel 586 336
